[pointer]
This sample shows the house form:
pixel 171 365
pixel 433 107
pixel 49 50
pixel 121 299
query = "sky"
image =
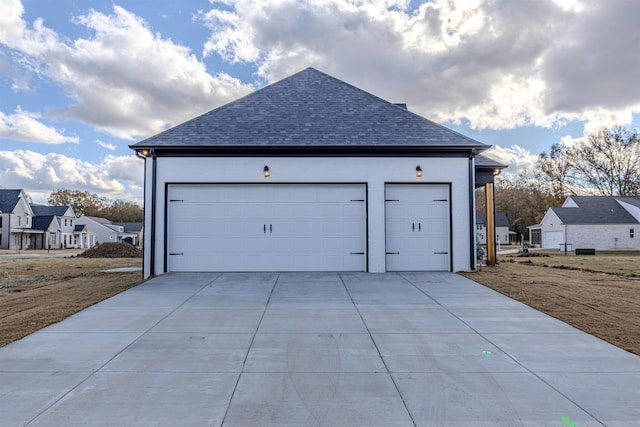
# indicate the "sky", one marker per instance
pixel 81 80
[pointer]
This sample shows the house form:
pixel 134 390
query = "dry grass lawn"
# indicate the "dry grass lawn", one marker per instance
pixel 597 294
pixel 37 292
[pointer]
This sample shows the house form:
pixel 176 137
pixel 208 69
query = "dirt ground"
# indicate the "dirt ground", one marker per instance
pixel 596 294
pixel 37 292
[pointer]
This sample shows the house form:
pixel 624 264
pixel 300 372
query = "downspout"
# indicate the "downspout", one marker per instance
pixel 145 155
pixel 472 209
pixel 152 257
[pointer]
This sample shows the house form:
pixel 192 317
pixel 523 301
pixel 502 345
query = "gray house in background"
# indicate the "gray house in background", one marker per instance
pixel 66 219
pixel 594 222
pixel 503 234
pixel 16 219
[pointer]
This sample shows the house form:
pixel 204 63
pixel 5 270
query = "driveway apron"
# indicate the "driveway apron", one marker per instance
pixel 315 349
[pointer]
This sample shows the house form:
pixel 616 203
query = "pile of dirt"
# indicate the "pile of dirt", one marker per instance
pixel 112 250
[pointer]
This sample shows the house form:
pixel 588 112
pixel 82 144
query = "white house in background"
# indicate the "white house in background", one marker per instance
pixel 503 234
pixel 309 174
pixel 103 229
pixel 16 221
pixel 590 222
pixel 66 218
pixel 133 232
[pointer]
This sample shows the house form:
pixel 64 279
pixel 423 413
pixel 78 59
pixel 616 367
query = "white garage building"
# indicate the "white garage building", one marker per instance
pixel 309 174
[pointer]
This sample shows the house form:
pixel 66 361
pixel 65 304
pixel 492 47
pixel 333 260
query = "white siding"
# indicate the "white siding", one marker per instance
pixel 604 237
pixel 375 172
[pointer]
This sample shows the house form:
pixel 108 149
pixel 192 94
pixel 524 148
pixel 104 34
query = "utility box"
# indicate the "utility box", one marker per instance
pixel 585 251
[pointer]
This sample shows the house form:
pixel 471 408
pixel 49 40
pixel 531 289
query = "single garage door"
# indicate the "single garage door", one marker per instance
pixel 418 236
pixel 552 239
pixel 266 227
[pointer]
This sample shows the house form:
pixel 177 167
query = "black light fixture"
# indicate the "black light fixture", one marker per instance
pixel 266 172
pixel 418 171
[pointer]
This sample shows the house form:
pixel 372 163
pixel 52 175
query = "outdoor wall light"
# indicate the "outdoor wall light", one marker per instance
pixel 145 152
pixel 266 172
pixel 496 171
pixel 418 171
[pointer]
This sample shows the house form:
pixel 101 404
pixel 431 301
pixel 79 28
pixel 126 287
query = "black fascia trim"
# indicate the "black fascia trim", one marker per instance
pixel 368 151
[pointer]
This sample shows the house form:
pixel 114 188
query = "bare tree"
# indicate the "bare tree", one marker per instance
pixel 553 172
pixel 608 161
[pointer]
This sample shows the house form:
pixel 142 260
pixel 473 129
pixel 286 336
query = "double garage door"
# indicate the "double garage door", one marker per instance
pixel 299 227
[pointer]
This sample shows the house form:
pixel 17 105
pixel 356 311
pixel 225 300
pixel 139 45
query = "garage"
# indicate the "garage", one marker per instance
pixel 418 236
pixel 310 173
pixel 266 227
pixel 552 239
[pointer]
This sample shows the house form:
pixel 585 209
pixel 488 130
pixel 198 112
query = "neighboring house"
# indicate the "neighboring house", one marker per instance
pixel 133 232
pixel 16 221
pixel 590 222
pixel 50 228
pixel 66 218
pixel 102 230
pixel 309 174
pixel 82 237
pixel 503 234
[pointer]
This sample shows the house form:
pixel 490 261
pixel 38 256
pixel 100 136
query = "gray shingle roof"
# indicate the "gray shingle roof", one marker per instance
pixel 42 222
pixel 131 227
pixel 486 162
pixel 39 210
pixel 596 210
pixel 309 109
pixel 8 200
pixel 500 218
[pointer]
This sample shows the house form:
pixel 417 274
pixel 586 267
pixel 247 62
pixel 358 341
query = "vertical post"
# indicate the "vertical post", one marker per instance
pixel 491 229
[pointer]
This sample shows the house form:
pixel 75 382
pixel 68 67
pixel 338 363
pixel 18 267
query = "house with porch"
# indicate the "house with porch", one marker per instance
pixel 16 221
pixel 66 219
pixel 590 222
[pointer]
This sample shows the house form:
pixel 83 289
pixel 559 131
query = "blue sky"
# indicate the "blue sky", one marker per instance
pixel 81 80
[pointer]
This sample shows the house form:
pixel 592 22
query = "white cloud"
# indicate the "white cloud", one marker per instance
pixel 125 79
pixel 40 174
pixel 516 157
pixel 24 126
pixel 106 145
pixel 499 64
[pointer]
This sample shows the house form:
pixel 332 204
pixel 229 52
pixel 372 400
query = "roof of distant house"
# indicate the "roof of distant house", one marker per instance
pixel 597 210
pixel 9 200
pixel 44 210
pixel 42 222
pixel 500 218
pixel 131 227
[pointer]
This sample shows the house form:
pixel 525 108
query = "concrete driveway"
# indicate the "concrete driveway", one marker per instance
pixel 315 349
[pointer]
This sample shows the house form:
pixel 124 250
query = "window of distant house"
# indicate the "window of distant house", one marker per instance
pixel 479 227
pixel 19 220
pixel 65 222
pixel 632 233
pixel 0 222
pixel 0 237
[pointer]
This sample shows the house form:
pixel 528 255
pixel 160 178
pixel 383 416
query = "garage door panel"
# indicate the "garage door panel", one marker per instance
pixel 417 227
pixel 258 227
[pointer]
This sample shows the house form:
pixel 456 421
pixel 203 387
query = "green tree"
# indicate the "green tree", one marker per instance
pixel 121 211
pixel 82 202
